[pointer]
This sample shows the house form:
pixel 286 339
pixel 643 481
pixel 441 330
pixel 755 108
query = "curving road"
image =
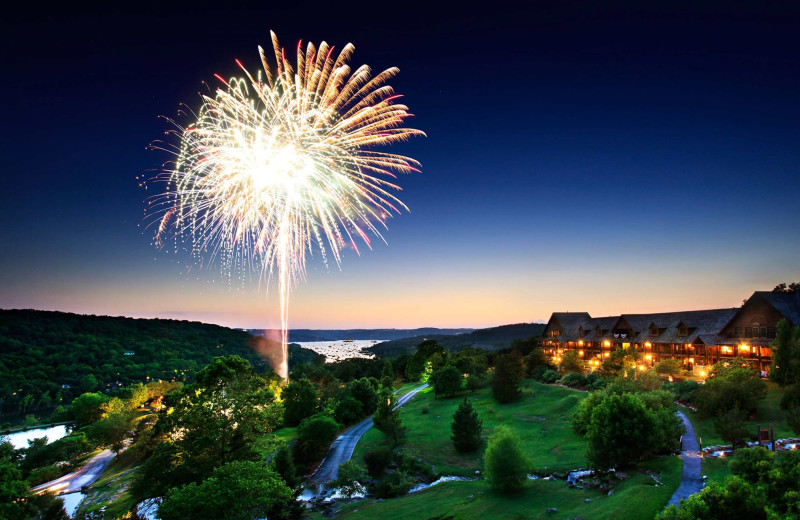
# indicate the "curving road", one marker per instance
pixel 691 480
pixel 342 448
pixel 73 482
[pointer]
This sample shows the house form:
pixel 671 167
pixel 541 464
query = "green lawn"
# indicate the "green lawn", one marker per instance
pixel 769 411
pixel 541 418
pixel 716 469
pixel 633 499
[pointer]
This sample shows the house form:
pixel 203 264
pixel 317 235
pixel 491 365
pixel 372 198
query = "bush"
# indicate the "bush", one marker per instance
pixel 477 381
pixel 573 380
pixel 394 485
pixel 425 410
pixel 550 376
pixel 505 464
pixel 447 381
pixel 595 382
pixel 349 481
pixel 685 391
pixel 377 460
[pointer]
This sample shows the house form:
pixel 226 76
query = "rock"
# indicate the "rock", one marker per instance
pixel 588 500
pixel 551 510
pixel 622 476
pixel 477 472
pixel 611 492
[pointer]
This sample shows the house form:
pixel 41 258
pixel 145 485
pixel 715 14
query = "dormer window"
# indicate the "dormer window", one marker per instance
pixel 555 333
pixel 683 331
pixel 653 330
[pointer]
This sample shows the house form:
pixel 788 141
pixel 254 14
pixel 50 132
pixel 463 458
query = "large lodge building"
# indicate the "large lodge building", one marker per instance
pixel 696 338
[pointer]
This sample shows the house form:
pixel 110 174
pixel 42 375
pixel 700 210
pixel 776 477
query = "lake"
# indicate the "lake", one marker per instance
pixel 20 439
pixel 338 350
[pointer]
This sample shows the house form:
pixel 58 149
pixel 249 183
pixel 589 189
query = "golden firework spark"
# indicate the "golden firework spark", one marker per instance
pixel 283 163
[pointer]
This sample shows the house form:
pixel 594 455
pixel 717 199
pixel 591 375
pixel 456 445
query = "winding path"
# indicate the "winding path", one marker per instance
pixel 73 482
pixel 342 448
pixel 691 480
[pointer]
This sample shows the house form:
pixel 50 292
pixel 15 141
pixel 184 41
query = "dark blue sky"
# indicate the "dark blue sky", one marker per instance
pixel 595 156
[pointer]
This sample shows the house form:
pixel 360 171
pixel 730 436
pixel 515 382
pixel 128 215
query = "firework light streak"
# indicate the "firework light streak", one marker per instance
pixel 283 163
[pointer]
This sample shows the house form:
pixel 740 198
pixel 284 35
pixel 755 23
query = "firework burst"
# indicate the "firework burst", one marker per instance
pixel 285 163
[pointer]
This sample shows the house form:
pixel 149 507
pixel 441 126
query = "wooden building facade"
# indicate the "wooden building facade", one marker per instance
pixel 696 338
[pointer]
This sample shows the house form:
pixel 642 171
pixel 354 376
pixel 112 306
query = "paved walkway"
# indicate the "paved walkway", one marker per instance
pixel 342 448
pixel 692 479
pixel 73 482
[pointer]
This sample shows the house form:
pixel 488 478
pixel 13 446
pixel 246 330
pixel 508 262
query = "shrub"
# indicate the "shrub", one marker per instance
pixel 477 381
pixel 394 485
pixel 447 381
pixel 734 385
pixel 377 460
pixel 685 391
pixel 425 410
pixel 550 376
pixel 349 480
pixel 505 464
pixel 573 380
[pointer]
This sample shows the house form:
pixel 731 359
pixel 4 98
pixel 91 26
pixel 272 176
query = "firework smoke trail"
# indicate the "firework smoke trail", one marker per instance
pixel 283 163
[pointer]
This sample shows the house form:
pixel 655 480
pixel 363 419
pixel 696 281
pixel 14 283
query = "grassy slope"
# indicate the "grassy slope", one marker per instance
pixel 541 419
pixel 633 499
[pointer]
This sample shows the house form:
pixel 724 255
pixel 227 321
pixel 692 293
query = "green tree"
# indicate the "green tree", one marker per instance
pixel 466 428
pixel 668 367
pixel 415 367
pixel 348 411
pixel 730 427
pixel 299 401
pixel 731 385
pixel 571 362
pixel 88 408
pixel 207 424
pixel 785 367
pixel 13 488
pixel 314 435
pixel 283 464
pixel 235 491
pixel 112 430
pixel 387 418
pixel 387 375
pixel 620 431
pixel 505 464
pixel 350 477
pixel 508 372
pixel 364 391
pixel 447 381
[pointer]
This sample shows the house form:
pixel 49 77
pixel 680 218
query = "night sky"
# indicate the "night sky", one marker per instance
pixel 580 156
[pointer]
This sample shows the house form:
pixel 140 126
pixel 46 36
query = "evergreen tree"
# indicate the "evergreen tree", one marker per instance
pixel 785 369
pixel 283 465
pixel 466 427
pixel 508 372
pixel 387 418
pixel 387 375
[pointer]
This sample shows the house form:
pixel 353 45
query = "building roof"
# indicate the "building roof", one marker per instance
pixel 787 303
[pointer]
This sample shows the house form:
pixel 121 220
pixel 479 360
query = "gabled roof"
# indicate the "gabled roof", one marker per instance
pixel 787 303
